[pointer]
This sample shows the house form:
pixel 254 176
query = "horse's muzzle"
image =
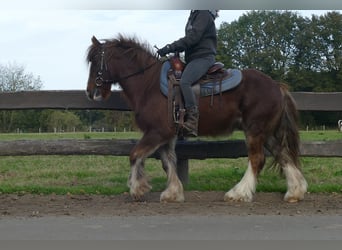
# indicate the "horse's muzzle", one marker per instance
pixel 94 95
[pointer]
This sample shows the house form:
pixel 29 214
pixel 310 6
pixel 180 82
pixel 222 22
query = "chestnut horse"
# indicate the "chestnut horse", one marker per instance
pixel 261 107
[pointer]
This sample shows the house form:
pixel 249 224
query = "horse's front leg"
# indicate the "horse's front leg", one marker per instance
pixel 137 181
pixel 174 191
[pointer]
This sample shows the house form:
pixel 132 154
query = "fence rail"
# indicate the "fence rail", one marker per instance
pixel 185 149
pixel 76 99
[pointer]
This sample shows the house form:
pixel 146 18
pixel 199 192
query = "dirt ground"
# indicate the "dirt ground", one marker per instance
pixel 197 203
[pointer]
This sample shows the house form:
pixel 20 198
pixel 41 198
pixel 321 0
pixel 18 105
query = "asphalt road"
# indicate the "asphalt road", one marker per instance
pixel 171 227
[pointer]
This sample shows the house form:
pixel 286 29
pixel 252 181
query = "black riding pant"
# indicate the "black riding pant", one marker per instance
pixel 193 71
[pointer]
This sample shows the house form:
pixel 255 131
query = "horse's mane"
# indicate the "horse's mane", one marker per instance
pixel 132 46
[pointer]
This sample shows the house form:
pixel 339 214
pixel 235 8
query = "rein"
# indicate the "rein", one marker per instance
pixel 99 81
pixel 141 71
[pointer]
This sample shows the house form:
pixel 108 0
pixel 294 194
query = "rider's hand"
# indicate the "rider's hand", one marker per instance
pixel 165 50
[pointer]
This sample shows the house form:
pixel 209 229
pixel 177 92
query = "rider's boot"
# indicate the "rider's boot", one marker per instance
pixel 191 124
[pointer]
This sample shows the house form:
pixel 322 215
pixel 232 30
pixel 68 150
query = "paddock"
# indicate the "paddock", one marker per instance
pixel 186 150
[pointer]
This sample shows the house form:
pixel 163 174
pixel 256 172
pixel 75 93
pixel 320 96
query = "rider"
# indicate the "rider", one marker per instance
pixel 199 44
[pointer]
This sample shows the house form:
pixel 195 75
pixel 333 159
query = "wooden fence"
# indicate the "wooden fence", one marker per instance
pixel 186 150
pixel 76 99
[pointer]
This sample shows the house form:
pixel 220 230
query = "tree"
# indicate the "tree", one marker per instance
pixel 120 120
pixel 260 39
pixel 318 54
pixel 329 34
pixel 14 78
pixel 64 121
pixel 305 53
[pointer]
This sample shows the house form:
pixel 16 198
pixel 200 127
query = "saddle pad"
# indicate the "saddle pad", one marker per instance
pixel 206 89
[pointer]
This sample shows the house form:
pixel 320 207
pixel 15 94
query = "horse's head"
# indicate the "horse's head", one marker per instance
pixel 100 79
pixel 122 60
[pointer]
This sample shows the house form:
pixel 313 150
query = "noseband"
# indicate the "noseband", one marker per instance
pixel 99 81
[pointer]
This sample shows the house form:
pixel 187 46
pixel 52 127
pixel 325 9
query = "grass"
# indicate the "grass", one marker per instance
pixel 56 136
pixel 327 135
pixel 108 175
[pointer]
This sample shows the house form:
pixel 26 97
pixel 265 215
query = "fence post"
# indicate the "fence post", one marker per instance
pixel 183 170
pixel 183 166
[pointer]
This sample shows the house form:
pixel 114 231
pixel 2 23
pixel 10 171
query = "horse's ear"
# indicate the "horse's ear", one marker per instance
pixel 95 41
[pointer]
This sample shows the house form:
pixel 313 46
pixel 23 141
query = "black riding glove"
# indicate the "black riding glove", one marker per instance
pixel 165 50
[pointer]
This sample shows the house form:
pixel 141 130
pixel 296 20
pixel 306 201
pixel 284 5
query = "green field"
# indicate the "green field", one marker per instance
pixel 108 174
pixel 305 136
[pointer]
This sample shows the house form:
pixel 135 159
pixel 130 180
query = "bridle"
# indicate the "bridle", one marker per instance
pixel 99 81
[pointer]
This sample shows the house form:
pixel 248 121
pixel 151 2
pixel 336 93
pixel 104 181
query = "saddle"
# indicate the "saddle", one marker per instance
pixel 214 72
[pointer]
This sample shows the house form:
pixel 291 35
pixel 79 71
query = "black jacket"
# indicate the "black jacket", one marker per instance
pixel 200 36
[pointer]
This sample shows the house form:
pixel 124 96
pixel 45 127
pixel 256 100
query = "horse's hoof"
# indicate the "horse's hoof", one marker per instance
pixel 293 199
pixel 139 195
pixel 136 198
pixel 168 198
pixel 232 196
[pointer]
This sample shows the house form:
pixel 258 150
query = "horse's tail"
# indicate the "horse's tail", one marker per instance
pixel 284 144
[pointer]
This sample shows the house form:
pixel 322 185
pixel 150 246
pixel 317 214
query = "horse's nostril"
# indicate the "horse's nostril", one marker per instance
pixel 89 95
pixel 97 95
pixel 94 95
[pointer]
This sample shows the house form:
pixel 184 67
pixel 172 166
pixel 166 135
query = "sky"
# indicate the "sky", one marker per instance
pixel 52 43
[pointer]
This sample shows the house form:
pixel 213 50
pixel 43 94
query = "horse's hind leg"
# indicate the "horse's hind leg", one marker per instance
pixel 296 183
pixel 245 189
pixel 289 162
pixel 174 191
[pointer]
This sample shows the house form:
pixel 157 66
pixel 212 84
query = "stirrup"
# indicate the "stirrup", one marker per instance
pixel 189 132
